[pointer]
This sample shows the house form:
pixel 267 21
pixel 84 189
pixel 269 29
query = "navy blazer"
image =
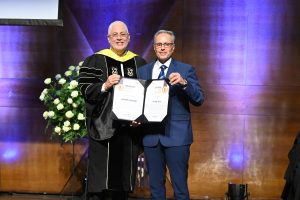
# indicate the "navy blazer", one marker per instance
pixel 176 129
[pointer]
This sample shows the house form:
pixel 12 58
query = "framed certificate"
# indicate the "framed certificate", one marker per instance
pixel 156 101
pixel 141 100
pixel 128 99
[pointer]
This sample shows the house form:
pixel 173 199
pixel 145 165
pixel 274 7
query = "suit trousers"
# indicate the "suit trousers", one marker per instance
pixel 176 159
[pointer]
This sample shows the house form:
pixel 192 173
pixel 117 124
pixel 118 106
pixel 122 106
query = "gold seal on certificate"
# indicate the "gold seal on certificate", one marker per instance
pixel 141 100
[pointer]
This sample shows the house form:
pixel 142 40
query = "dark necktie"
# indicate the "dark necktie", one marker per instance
pixel 162 72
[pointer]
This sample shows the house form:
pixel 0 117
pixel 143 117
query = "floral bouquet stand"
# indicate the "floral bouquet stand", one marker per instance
pixel 65 106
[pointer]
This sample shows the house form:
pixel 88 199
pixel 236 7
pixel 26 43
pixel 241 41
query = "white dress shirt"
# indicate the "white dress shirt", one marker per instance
pixel 156 68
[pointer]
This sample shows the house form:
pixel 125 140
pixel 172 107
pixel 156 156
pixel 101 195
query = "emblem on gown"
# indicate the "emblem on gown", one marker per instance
pixel 130 72
pixel 114 70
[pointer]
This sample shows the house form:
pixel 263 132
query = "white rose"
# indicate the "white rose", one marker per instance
pixel 76 127
pixel 45 91
pixel 68 73
pixel 74 94
pixel 66 128
pixel 70 101
pixel 69 114
pixel 42 97
pixel 51 114
pixel 60 106
pixel 47 81
pixel 67 123
pixel 45 114
pixel 57 76
pixel 56 101
pixel 62 81
pixel 57 129
pixel 80 116
pixel 74 84
pixel 71 67
pixel 74 105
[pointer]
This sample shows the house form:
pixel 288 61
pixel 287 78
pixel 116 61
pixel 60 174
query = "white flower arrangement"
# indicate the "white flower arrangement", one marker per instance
pixel 65 108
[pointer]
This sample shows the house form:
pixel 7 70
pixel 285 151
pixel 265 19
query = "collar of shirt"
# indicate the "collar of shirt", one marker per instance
pixel 156 68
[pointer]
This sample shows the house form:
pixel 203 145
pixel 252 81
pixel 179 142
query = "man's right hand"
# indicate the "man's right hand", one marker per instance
pixel 111 81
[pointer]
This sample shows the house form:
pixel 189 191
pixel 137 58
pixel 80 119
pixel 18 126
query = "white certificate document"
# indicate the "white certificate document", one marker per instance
pixel 156 101
pixel 128 99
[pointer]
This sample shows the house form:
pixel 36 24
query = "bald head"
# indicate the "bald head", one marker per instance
pixel 116 23
pixel 118 37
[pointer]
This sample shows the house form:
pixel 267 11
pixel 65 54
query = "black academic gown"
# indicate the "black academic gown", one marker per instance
pixel 113 145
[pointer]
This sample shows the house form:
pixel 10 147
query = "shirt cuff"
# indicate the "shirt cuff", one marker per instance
pixel 103 88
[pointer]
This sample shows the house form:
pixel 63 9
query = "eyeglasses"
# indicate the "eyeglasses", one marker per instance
pixel 166 45
pixel 116 35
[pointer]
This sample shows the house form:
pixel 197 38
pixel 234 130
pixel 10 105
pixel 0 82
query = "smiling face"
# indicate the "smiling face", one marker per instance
pixel 163 46
pixel 118 37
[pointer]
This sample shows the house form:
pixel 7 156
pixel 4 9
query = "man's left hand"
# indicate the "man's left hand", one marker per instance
pixel 175 78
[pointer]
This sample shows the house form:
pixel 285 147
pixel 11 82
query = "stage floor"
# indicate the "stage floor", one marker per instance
pixel 18 196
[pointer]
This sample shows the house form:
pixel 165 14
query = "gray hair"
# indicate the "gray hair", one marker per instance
pixel 171 33
pixel 116 22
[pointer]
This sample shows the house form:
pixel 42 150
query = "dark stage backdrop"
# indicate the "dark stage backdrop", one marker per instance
pixel 246 53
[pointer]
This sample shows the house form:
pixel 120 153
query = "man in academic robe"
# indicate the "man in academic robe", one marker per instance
pixel 113 144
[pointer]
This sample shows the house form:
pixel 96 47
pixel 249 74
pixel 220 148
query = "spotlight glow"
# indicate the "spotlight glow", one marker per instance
pixel 9 154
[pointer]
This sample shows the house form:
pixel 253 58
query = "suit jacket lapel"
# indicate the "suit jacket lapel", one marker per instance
pixel 149 70
pixel 172 68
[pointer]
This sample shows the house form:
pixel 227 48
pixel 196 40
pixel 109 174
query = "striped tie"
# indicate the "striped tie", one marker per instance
pixel 162 72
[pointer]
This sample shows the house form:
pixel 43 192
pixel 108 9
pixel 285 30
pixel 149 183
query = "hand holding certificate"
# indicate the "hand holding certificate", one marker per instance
pixel 140 100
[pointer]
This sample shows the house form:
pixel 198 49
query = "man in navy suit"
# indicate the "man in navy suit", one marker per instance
pixel 168 143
